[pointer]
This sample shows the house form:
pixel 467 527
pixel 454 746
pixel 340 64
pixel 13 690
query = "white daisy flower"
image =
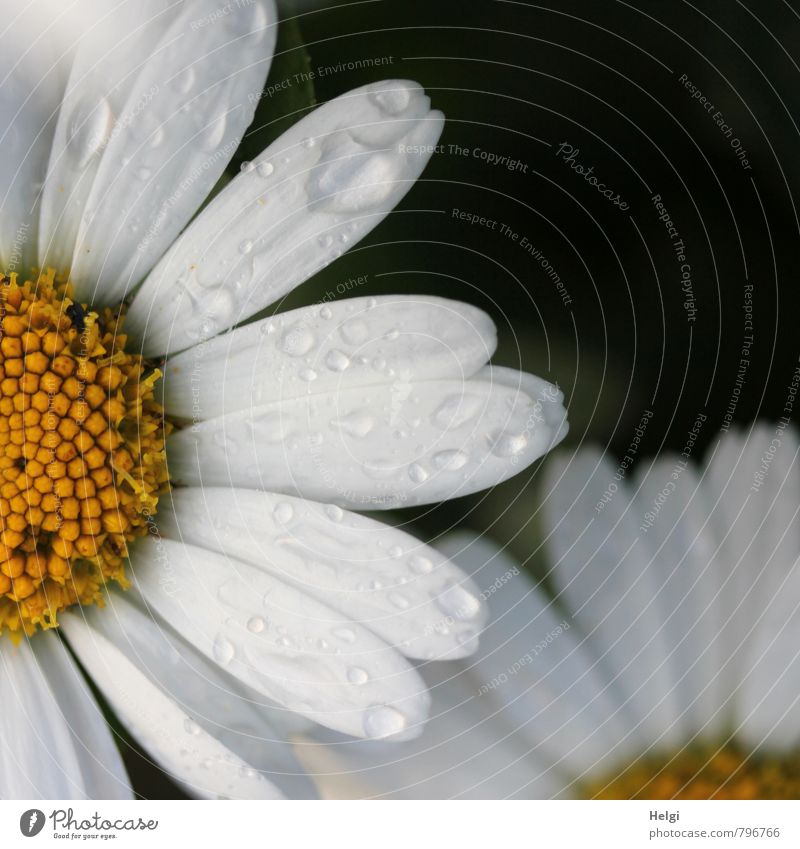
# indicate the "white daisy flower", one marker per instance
pixel 260 603
pixel 666 667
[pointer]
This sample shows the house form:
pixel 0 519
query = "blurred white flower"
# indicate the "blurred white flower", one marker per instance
pixel 260 603
pixel 666 668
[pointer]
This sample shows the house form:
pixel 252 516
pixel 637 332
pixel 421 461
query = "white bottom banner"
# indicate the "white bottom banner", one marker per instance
pixel 400 825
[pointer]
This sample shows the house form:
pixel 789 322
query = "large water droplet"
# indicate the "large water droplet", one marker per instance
pixel 283 512
pixel 354 331
pixel 357 675
pixel 392 101
pixel 417 473
pixel 357 424
pixel 337 360
pixel 383 721
pixel 421 565
pixel 346 635
pixel 335 513
pixel 506 444
pixel 223 650
pixel 450 460
pixel 297 341
pixel 354 183
pixel 256 624
pixel 191 727
pixel 214 133
pixel 455 601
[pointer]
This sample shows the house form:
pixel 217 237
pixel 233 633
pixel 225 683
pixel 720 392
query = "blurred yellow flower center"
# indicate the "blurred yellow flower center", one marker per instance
pixel 704 773
pixel 82 458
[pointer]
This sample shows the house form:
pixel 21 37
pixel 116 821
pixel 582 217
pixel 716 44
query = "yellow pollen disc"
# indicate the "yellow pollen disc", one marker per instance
pixel 704 773
pixel 82 460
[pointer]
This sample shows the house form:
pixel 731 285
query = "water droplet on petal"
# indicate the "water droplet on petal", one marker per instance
pixel 297 341
pixel 246 167
pixel 357 424
pixel 264 169
pixel 223 650
pixel 326 313
pixel 214 133
pixel 357 675
pixel 308 143
pixel 337 360
pixel 455 601
pixel 354 332
pixel 399 601
pixel 335 513
pixel 450 460
pixel 283 512
pixel 245 247
pixel 392 101
pixel 347 635
pixel 509 444
pixel 383 721
pixel 396 552
pixel 353 183
pixel 417 473
pixel 256 624
pixel 308 374
pixel 421 565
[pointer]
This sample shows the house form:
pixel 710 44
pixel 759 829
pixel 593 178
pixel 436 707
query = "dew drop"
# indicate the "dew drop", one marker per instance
pixel 393 101
pixel 256 624
pixel 223 650
pixel 354 332
pixel 307 374
pixel 421 565
pixel 325 313
pixel 417 473
pixel 357 424
pixel 357 675
pixel 297 341
pixel 346 635
pixel 383 721
pixel 399 601
pixel 283 512
pixel 450 460
pixel 335 513
pixel 456 410
pixel 264 169
pixel 214 133
pixel 455 601
pixel 245 247
pixel 509 444
pixel 308 143
pixel 337 360
pixel 247 167
pixel 396 552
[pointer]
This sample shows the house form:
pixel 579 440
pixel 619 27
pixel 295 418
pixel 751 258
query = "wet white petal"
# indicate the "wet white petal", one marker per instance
pixel 171 736
pixel 356 342
pixel 465 752
pixel 55 742
pixel 281 642
pixel 252 728
pixel 379 576
pixel 381 446
pixel 157 101
pixel 319 188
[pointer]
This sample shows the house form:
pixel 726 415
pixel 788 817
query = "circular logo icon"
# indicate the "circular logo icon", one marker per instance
pixel 31 822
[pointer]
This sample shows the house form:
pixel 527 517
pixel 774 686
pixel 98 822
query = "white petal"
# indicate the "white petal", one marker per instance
pixel 602 569
pixel 536 665
pixel 376 447
pixel 670 505
pixel 356 342
pixel 464 753
pixel 157 101
pixel 191 755
pixel 381 577
pixel 241 720
pixel 36 46
pixel 56 744
pixel 284 644
pixel 324 183
pixel 766 705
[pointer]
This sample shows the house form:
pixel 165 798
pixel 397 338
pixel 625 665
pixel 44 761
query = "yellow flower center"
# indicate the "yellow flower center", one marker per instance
pixel 724 772
pixel 82 460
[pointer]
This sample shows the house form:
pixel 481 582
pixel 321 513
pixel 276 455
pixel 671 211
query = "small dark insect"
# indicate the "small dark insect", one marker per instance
pixel 76 313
